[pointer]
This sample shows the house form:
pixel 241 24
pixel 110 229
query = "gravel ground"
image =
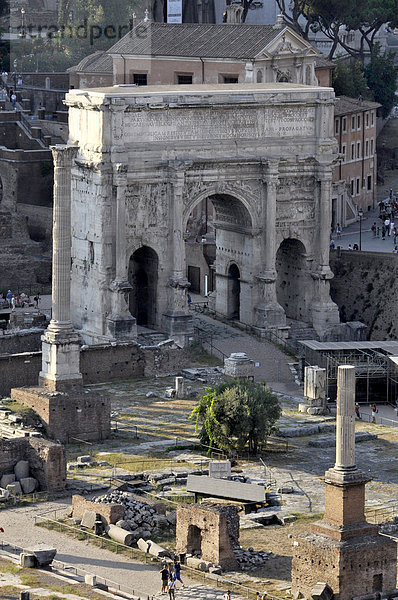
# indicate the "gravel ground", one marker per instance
pixel 19 529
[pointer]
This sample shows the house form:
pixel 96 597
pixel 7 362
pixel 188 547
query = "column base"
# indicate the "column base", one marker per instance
pixel 60 363
pixel 269 316
pixel 325 319
pixel 122 328
pixel 179 326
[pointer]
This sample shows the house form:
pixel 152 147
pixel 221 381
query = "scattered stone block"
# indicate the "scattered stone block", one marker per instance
pixel 289 518
pixel 215 570
pixel 119 535
pixel 25 595
pixel 27 561
pixel 89 518
pixel 286 490
pixel 6 480
pixel 28 484
pixel 143 545
pixel 44 554
pixel 170 393
pixel 84 459
pixel 196 563
pixel 14 418
pixel 321 591
pixel 90 579
pixel 14 488
pixel 220 468
pixel 157 550
pixel 21 470
pixel 123 524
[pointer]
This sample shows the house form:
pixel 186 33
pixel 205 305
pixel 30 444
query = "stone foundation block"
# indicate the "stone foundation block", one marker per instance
pixel 21 469
pixel 28 484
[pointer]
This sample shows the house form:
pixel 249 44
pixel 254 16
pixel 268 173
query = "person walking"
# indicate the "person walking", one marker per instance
pixel 383 232
pixel 357 414
pixel 177 571
pixel 338 230
pixel 374 411
pixel 387 225
pixel 374 229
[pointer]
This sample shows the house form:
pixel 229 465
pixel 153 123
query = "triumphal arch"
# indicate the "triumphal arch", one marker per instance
pixel 147 156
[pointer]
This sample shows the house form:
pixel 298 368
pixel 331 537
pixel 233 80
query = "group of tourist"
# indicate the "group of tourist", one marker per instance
pixel 13 301
pixel 170 574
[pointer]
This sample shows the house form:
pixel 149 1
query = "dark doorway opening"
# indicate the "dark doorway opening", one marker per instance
pixel 143 277
pixel 194 541
pixel 234 292
pixel 378 582
pixel 194 279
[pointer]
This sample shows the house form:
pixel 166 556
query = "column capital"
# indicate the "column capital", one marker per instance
pixel 324 173
pixel 120 171
pixel 64 155
pixel 271 171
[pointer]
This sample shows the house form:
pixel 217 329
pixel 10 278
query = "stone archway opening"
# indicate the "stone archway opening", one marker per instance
pixel 293 285
pixel 194 540
pixel 234 292
pixel 219 253
pixel 143 277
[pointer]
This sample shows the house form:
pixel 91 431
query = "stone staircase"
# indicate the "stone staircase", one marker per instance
pixel 300 331
pixel 149 337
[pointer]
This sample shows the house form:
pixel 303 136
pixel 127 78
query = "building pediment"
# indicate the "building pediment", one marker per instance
pixel 287 44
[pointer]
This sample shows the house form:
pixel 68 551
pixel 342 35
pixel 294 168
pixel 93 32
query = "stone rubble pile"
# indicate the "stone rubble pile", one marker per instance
pixel 18 482
pixel 140 519
pixel 250 559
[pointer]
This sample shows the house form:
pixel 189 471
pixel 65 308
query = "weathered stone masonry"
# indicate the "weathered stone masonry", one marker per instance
pixel 263 154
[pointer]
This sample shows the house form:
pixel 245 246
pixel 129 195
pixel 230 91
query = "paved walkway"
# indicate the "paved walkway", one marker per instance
pixel 19 529
pixel 273 364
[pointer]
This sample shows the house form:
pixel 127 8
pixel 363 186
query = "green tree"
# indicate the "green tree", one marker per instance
pixel 349 80
pixel 334 18
pixel 381 75
pixel 233 415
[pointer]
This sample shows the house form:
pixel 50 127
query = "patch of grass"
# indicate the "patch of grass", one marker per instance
pixel 8 567
pixel 201 356
pixel 29 579
pixel 307 517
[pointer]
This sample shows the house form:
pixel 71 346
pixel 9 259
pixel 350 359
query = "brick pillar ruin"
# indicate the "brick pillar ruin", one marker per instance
pixel 68 411
pixel 343 550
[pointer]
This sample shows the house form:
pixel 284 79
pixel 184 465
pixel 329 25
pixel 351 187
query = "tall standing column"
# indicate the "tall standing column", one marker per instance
pixel 325 314
pixel 345 420
pixel 121 324
pixel 63 157
pixel 61 345
pixel 268 312
pixel 177 320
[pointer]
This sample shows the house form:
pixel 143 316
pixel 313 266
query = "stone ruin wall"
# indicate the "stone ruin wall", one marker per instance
pixel 219 528
pixel 111 512
pixel 98 364
pixel 47 461
pixel 364 289
pixel 360 562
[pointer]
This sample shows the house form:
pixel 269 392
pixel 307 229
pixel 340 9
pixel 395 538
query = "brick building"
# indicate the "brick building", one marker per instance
pixel 355 177
pixel 164 54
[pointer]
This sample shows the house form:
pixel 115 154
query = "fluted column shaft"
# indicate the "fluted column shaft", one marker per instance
pixel 63 159
pixel 120 180
pixel 345 421
pixel 325 215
